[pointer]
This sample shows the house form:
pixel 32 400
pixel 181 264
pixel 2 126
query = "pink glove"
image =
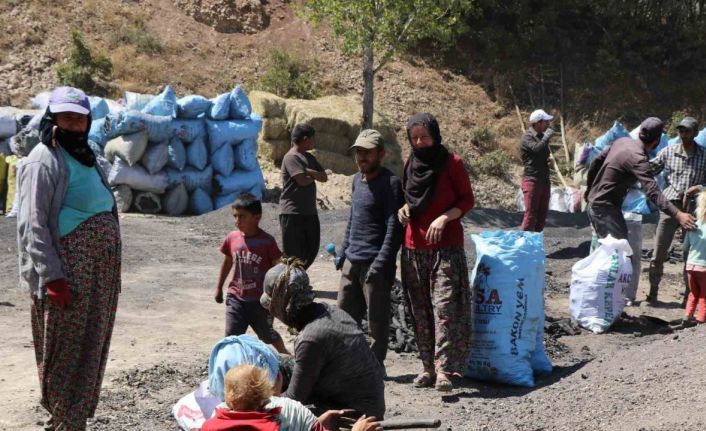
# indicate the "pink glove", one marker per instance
pixel 58 293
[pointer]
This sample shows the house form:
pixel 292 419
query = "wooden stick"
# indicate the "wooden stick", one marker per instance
pixel 396 424
pixel 517 109
pixel 519 117
pixel 405 424
pixel 563 138
pixel 556 168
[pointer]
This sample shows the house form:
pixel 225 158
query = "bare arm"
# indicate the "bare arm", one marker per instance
pixel 319 176
pixel 226 266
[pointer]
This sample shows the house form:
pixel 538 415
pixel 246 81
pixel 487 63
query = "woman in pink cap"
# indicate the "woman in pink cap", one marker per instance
pixel 69 254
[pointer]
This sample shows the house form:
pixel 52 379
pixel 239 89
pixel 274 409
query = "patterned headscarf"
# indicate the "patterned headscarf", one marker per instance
pixel 287 290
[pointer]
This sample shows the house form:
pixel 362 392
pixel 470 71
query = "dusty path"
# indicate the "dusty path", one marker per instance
pixel 167 323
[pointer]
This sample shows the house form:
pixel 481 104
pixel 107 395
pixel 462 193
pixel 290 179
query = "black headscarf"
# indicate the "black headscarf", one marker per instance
pixel 422 168
pixel 75 143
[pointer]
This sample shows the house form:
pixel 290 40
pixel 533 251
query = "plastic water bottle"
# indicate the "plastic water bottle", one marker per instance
pixel 331 249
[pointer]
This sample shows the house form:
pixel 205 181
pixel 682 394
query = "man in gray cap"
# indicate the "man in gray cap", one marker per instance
pixel 615 170
pixel 372 240
pixel 684 167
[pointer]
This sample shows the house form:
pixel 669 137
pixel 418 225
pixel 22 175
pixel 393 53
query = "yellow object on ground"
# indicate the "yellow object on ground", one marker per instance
pixel 11 161
pixel 3 174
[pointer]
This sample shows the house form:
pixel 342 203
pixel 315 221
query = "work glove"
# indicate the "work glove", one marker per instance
pixel 548 134
pixel 58 293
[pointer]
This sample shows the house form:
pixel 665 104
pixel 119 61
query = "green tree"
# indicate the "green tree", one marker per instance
pixel 82 67
pixel 383 28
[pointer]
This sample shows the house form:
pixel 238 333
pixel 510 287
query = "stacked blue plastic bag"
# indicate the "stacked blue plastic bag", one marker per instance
pixel 189 140
pixel 507 344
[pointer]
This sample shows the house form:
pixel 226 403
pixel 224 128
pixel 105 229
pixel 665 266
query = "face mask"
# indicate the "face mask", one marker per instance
pixel 67 138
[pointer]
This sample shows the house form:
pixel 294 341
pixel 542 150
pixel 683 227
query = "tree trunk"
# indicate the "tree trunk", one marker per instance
pixel 368 82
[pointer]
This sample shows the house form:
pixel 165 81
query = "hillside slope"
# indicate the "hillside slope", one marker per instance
pixel 154 42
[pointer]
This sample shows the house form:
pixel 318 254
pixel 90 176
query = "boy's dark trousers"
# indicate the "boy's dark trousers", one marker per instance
pixel 301 235
pixel 357 293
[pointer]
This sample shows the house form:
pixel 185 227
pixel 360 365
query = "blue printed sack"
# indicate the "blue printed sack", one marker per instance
pixel 177 154
pixel 223 160
pixel 615 132
pixel 99 107
pixel 232 131
pixel 245 155
pixel 190 107
pixel 508 308
pixel 192 178
pixel 197 154
pixel 159 128
pixel 189 130
pixel 200 202
pixel 220 107
pixel 240 182
pixel 240 107
pixel 165 104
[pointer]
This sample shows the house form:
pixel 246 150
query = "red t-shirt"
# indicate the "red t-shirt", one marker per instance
pixel 453 189
pixel 252 257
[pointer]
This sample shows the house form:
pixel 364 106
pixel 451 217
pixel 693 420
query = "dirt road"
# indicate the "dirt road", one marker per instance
pixel 629 379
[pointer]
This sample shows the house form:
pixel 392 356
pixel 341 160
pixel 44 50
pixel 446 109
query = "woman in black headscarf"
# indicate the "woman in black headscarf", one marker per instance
pixel 437 193
pixel 69 252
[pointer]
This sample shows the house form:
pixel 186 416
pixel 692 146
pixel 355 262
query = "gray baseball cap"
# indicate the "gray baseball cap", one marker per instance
pixel 69 99
pixel 689 123
pixel 369 139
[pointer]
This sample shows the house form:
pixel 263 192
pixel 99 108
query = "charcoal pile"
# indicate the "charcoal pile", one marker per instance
pixel 402 338
pixel 674 255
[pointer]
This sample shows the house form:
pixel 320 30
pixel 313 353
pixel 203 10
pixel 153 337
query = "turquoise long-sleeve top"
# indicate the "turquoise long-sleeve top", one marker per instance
pixel 85 197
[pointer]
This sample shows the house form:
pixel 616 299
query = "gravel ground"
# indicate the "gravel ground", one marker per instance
pixel 634 378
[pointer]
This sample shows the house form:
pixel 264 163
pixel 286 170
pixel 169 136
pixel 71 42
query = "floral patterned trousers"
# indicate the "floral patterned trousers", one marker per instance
pixel 71 345
pixel 436 281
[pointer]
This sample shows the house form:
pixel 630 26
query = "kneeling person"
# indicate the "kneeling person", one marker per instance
pixel 251 252
pixel 334 367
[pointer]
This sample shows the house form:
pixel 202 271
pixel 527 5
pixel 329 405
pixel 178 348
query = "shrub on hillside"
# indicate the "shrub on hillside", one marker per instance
pixel 482 137
pixel 495 163
pixel 135 32
pixel 82 67
pixel 288 76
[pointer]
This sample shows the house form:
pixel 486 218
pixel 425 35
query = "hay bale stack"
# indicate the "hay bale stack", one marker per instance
pixel 337 123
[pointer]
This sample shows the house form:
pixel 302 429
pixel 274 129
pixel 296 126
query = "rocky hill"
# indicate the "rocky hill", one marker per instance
pixel 208 46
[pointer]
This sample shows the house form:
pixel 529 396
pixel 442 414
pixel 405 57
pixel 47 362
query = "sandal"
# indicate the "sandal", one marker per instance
pixel 424 380
pixel 443 384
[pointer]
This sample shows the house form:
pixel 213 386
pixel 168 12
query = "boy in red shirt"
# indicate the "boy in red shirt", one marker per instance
pixel 251 251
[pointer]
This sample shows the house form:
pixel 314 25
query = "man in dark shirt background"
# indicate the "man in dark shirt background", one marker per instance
pixel 615 170
pixel 299 218
pixel 536 186
pixel 372 240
